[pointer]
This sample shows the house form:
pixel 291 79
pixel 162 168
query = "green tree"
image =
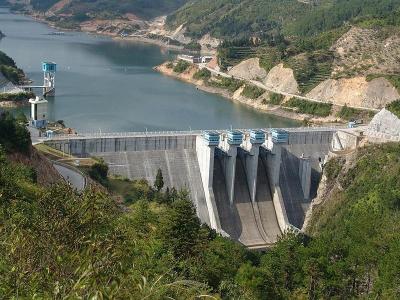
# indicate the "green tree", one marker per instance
pixel 159 182
pixel 99 172
pixel 179 231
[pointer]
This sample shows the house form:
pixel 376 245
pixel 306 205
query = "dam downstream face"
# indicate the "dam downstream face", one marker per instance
pixel 110 86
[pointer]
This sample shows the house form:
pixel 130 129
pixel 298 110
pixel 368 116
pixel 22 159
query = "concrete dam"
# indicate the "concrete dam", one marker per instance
pixel 249 185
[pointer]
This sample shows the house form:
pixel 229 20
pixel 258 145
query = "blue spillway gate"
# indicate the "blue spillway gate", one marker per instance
pixel 257 136
pixel 235 137
pixel 211 138
pixel 279 136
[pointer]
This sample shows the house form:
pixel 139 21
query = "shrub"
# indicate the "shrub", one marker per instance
pixel 181 66
pixel 17 97
pixel 333 168
pixel 275 98
pixel 394 107
pixel 348 113
pixel 230 84
pixel 99 172
pixel 308 107
pixel 202 74
pixel 193 46
pixel 252 91
pixel 169 65
pixel 14 136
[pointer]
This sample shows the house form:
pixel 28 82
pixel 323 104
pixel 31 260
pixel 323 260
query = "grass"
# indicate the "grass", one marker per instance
pixel 252 91
pixel 311 108
pixel 51 152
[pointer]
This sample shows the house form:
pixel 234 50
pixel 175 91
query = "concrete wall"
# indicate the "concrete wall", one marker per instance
pixel 87 147
pixel 180 169
pixel 252 206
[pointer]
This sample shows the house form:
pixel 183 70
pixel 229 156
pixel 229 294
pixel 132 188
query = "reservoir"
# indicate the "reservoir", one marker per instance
pixel 106 85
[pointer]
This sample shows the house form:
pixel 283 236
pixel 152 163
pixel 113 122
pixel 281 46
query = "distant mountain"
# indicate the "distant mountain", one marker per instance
pixel 238 18
pixel 110 8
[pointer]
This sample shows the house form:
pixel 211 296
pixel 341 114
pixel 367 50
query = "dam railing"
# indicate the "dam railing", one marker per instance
pixel 91 135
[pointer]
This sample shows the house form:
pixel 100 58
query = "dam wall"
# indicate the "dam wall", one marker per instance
pixel 245 184
pixel 86 147
pixel 179 167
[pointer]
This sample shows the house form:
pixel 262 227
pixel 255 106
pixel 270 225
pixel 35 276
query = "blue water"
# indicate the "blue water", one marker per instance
pixel 109 85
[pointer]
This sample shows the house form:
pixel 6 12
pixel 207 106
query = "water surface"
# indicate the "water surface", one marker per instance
pixel 109 85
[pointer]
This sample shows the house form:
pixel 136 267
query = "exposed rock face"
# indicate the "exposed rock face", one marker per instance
pixel 249 69
pixel 356 91
pixel 207 39
pixel 282 79
pixel 385 124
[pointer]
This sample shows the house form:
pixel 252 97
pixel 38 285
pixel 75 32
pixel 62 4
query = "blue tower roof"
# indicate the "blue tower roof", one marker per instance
pixel 49 67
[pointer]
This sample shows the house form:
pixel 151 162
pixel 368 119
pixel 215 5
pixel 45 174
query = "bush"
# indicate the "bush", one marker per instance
pixel 252 91
pixel 275 98
pixel 169 65
pixel 14 136
pixel 230 84
pixel 333 168
pixel 17 97
pixel 99 172
pixel 203 74
pixel 193 46
pixel 311 108
pixel 350 113
pixel 394 107
pixel 181 66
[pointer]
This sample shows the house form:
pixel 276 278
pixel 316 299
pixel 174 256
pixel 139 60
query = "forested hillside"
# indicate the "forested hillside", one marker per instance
pixel 56 243
pixel 142 8
pixel 10 70
pixel 233 19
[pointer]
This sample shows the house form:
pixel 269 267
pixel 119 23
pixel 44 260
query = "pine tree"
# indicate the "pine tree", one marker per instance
pixel 159 183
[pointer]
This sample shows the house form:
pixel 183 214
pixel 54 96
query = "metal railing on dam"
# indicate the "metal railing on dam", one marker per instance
pixel 91 135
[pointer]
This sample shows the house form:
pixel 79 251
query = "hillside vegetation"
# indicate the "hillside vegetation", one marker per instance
pixel 112 8
pixel 10 70
pixel 57 243
pixel 227 18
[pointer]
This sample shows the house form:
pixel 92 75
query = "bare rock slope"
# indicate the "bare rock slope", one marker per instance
pixel 356 91
pixel 248 69
pixel 282 79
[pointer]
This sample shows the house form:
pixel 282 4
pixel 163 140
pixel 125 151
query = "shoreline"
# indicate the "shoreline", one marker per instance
pixel 13 104
pixel 134 39
pixel 269 109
